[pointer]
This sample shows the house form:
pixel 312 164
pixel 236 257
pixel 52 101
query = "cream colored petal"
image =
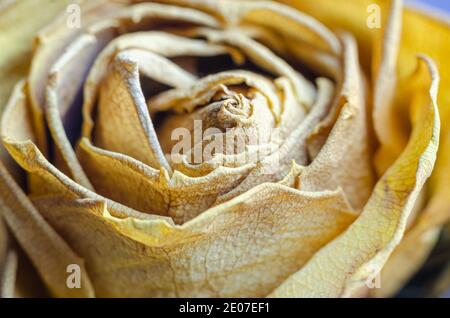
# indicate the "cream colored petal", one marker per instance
pixel 65 81
pixel 355 17
pixel 266 59
pixel 123 122
pixel 123 178
pixel 145 189
pixel 188 98
pixel 345 159
pixel 281 18
pixel 16 33
pixel 51 181
pixel 163 44
pixel 387 117
pixel 49 44
pixel 405 261
pixel 345 264
pixel 97 15
pixel 16 123
pixel 66 78
pixel 95 36
pixel 344 79
pixel 48 252
pixel 323 64
pixel 276 166
pixel 248 239
pixel 16 120
pixel 420 239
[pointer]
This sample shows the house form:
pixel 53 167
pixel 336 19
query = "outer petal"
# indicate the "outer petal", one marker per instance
pixel 49 253
pixel 16 32
pixel 424 33
pixel 422 236
pixel 259 237
pixel 344 265
pixel 145 189
pixel 389 124
pixel 350 16
pixel 430 36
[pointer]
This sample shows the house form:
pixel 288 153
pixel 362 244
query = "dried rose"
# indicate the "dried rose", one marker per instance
pixel 320 213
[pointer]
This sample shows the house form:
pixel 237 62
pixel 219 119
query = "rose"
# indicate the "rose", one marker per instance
pixel 138 221
pixel 160 240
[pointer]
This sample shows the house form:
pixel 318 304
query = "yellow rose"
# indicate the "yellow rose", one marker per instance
pixel 187 148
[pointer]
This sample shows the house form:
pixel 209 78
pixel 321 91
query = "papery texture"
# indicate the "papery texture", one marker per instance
pixel 337 129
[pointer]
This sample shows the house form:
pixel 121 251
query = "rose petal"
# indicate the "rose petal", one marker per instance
pixel 208 256
pixel 141 187
pixel 387 116
pixel 49 253
pixel 50 181
pixel 275 166
pixel 50 43
pixel 418 242
pixel 345 264
pixel 345 159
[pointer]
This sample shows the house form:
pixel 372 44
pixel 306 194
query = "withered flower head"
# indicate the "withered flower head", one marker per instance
pixel 222 148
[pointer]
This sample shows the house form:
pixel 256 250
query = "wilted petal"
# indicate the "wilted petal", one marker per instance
pixel 387 116
pixel 50 181
pixel 293 210
pixel 49 44
pixel 345 158
pixel 208 256
pixel 16 33
pixel 293 148
pixel 60 96
pixel 145 189
pixel 48 252
pixel 420 239
pixel 346 264
pixel 295 24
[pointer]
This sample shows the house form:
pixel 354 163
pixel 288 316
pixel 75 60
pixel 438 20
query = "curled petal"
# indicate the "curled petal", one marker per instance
pixel 209 255
pixel 35 236
pixel 346 264
pixel 139 186
pixel 345 158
